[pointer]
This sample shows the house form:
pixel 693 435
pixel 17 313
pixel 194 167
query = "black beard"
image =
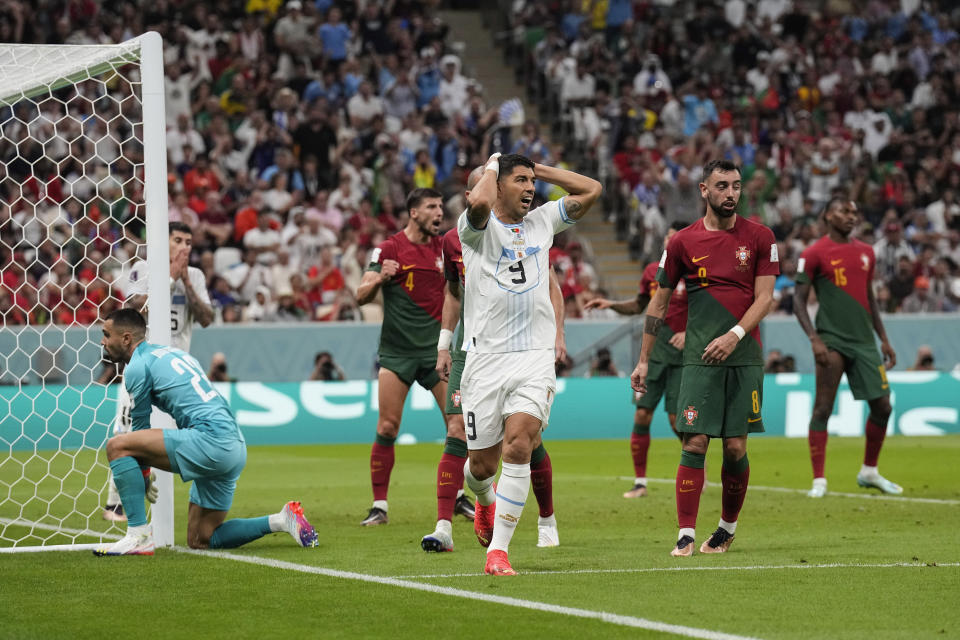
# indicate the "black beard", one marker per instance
pixel 723 213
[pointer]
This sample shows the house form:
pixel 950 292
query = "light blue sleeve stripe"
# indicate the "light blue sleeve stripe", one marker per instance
pixel 563 213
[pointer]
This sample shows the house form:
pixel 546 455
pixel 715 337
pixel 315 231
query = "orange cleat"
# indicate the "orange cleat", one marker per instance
pixel 498 564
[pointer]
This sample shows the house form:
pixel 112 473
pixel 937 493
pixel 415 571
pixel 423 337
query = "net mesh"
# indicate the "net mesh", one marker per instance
pixel 72 222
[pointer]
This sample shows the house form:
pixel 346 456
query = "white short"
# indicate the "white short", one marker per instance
pixel 497 385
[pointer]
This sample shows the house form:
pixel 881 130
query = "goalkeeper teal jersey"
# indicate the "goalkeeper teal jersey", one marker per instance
pixel 174 381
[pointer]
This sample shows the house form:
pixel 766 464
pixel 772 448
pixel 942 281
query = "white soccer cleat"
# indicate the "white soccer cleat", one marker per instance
pixel 547 533
pixel 132 544
pixel 297 525
pixel 437 541
pixel 877 481
pixel 819 488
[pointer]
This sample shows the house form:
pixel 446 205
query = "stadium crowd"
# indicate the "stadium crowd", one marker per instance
pixel 295 129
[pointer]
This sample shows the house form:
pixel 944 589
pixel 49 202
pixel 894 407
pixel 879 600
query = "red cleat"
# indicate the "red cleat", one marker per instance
pixel 498 564
pixel 483 522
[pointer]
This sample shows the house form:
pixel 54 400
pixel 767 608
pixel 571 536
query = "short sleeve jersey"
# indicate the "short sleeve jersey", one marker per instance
pixel 174 381
pixel 719 269
pixel 181 320
pixel 676 320
pixel 412 299
pixel 453 272
pixel 840 273
pixel 507 284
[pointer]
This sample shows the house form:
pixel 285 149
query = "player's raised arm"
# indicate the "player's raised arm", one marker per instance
pixel 481 198
pixel 448 323
pixel 583 191
pixel 382 268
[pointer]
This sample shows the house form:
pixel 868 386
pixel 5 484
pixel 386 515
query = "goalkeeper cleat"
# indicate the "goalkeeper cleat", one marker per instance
pixel 465 508
pixel 114 513
pixel 877 481
pixel 719 542
pixel 483 524
pixel 133 544
pixel 684 548
pixel 819 488
pixel 297 526
pixel 638 491
pixel 375 517
pixel 547 534
pixel 437 541
pixel 498 564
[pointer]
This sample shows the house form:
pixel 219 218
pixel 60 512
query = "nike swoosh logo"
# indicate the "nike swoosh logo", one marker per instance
pixel 696 260
pixel 754 419
pixel 835 262
pixel 408 266
pixel 445 484
pixel 688 490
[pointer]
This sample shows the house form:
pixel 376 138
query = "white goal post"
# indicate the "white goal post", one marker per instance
pixel 83 193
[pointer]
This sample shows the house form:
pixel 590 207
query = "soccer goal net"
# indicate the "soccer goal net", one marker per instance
pixel 82 194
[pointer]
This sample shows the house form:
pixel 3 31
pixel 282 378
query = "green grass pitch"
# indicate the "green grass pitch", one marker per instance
pixel 613 558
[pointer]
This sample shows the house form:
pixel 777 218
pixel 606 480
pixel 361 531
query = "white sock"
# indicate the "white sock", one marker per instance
pixel 277 522
pixel 868 471
pixel 731 527
pixel 139 531
pixel 637 481
pixel 511 496
pixel 687 532
pixel 113 497
pixel 444 526
pixel 459 494
pixel 380 504
pixel 820 482
pixel 483 489
pixel 549 521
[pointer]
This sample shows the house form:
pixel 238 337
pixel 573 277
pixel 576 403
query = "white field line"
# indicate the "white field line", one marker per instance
pixel 612 618
pixel 862 496
pixel 758 567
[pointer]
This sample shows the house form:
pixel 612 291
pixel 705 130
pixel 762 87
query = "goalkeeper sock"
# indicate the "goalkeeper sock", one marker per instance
pixel 541 479
pixel 483 489
pixel 239 531
pixel 129 480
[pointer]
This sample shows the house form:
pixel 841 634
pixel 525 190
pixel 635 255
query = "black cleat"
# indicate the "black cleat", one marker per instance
pixel 684 548
pixel 464 507
pixel 375 517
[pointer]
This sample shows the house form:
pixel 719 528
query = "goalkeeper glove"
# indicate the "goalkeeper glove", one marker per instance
pixel 150 487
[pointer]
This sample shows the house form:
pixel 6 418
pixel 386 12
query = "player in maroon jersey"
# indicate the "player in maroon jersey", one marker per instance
pixel 408 268
pixel 728 265
pixel 665 368
pixel 840 269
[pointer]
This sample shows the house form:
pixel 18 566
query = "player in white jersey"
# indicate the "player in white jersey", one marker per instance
pixel 509 327
pixel 189 303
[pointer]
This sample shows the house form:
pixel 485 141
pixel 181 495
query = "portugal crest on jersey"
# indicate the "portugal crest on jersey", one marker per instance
pixel 743 255
pixel 690 414
pixel 864 262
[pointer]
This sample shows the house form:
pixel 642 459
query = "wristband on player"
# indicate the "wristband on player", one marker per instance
pixel 738 331
pixel 446 338
pixel 494 165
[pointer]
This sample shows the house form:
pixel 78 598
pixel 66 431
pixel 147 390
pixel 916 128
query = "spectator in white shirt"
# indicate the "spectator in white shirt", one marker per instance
pixel 263 240
pixel 182 138
pixel 363 106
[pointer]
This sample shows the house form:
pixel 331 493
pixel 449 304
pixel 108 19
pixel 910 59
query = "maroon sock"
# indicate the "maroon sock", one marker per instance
pixel 875 436
pixel 734 489
pixel 449 482
pixel 689 486
pixel 381 464
pixel 541 477
pixel 818 451
pixel 639 446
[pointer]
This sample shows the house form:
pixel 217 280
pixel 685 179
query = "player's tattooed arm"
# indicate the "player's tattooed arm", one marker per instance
pixel 652 325
pixel 481 198
pixel 583 190
pixel 201 311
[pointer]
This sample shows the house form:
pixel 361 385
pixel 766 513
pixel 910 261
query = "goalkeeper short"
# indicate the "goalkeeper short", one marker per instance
pixel 213 463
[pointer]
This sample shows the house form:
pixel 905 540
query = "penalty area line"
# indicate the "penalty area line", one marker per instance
pixel 612 618
pixel 759 567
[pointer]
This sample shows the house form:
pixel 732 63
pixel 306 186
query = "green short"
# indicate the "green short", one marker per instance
pixel 721 402
pixel 864 368
pixel 411 369
pixel 454 397
pixel 663 381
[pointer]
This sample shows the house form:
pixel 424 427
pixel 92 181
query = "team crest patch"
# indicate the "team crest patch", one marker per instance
pixel 865 262
pixel 456 398
pixel 743 255
pixel 691 415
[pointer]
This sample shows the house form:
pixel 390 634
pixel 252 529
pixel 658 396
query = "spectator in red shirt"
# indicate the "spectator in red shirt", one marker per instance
pixel 324 283
pixel 202 175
